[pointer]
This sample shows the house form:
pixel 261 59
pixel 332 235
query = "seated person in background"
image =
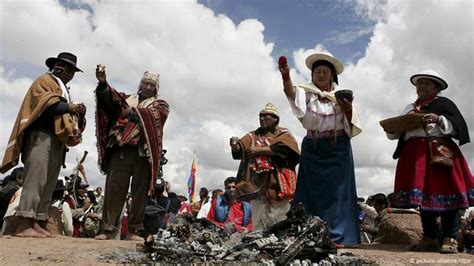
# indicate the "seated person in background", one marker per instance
pixel 195 207
pixel 175 203
pixel 466 231
pixel 10 221
pixel 230 213
pixel 10 185
pixel 98 194
pixel 368 217
pixel 160 198
pixel 156 210
pixel 93 216
pixel 66 215
pixel 379 202
pixel 79 203
pixel 204 211
pixel 185 207
pixel 369 211
pixel 203 199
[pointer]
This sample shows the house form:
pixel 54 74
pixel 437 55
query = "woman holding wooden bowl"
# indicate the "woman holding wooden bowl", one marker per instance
pixel 326 180
pixel 432 174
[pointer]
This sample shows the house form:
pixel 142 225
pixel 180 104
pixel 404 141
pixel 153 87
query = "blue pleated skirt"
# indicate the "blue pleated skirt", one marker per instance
pixel 326 186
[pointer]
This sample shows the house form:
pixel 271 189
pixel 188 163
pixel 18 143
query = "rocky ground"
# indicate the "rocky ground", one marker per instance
pixel 75 251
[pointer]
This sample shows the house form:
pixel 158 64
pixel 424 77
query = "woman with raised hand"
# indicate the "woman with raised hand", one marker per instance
pixel 326 180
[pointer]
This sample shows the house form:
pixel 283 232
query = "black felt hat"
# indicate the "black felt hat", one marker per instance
pixel 64 57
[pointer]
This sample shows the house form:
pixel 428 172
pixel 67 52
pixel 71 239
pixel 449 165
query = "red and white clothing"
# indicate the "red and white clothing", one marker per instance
pixel 235 213
pixel 428 186
pixel 185 208
pixel 77 213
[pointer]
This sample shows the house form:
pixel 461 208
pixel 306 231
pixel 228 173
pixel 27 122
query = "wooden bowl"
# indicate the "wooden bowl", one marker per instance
pixel 344 94
pixel 402 123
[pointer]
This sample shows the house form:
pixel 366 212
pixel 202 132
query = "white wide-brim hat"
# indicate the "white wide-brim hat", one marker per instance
pixel 310 60
pixel 429 74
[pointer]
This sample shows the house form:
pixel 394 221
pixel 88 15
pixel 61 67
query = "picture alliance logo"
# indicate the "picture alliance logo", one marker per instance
pixel 439 261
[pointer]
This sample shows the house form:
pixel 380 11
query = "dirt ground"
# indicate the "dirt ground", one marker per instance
pixel 79 251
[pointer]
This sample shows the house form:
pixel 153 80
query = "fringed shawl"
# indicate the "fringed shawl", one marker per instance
pixel 152 114
pixel 284 145
pixel 43 93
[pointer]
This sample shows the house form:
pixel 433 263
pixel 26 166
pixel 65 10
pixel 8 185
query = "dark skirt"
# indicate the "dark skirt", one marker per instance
pixel 431 187
pixel 326 186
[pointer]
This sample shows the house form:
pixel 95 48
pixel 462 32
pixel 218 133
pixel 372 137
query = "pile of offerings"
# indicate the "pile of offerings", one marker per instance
pixel 301 238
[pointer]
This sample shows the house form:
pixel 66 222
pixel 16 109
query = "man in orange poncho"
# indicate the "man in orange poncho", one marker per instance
pixel 266 174
pixel 46 123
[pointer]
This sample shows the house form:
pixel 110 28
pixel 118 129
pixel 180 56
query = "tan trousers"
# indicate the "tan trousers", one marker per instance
pixel 267 213
pixel 125 163
pixel 42 157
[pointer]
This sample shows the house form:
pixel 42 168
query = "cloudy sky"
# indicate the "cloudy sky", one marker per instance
pixel 218 66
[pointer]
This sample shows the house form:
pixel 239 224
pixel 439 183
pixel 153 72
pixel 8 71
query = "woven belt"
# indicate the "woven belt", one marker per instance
pixel 313 134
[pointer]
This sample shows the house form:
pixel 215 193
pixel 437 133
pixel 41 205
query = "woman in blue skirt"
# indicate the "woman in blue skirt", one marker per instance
pixel 326 180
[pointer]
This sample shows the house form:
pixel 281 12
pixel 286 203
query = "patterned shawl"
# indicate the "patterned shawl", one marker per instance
pixel 284 145
pixel 152 114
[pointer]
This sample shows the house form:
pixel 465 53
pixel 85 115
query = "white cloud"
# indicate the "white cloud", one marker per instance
pixel 349 36
pixel 409 37
pixel 372 9
pixel 217 75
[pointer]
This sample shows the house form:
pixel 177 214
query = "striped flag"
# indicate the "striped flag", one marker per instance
pixel 192 180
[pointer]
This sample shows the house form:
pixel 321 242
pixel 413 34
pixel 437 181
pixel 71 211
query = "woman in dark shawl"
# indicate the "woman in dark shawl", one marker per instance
pixel 431 173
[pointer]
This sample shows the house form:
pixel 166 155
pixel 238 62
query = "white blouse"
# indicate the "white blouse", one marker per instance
pixel 319 116
pixel 443 127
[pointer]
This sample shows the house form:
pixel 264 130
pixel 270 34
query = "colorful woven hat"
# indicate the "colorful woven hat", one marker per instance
pixel 151 77
pixel 270 109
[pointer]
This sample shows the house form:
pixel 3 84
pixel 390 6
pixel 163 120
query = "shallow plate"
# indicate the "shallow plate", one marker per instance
pixel 402 123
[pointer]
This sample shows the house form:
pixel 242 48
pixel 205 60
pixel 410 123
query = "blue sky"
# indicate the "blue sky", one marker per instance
pixel 218 67
pixel 304 23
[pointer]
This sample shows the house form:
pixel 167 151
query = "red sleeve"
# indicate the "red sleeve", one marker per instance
pixel 249 226
pixel 211 215
pixel 70 202
pixel 236 216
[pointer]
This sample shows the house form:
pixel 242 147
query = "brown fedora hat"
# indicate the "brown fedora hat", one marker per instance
pixel 64 57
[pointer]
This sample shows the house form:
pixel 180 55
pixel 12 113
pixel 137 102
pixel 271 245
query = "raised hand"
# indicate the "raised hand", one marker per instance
pixel 100 73
pixel 283 67
pixel 290 92
pixel 234 144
